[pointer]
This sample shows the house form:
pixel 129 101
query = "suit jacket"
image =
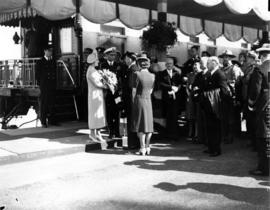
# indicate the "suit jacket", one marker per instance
pixel 259 87
pixel 46 74
pixel 166 82
pixel 215 83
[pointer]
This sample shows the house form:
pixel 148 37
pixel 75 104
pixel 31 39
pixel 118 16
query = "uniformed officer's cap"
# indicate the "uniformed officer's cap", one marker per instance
pixel 48 46
pixel 110 50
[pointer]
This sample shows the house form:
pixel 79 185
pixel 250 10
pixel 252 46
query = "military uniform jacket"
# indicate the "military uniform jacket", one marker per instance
pixel 46 74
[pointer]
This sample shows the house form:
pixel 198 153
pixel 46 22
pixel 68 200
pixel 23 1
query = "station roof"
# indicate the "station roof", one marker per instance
pixel 232 18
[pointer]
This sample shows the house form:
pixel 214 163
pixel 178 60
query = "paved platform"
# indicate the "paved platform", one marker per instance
pixel 18 145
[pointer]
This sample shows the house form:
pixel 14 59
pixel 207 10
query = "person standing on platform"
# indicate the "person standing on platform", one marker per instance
pixel 231 124
pixel 169 81
pixel 142 112
pixel 247 114
pixel 188 65
pixel 132 68
pixel 198 88
pixel 112 100
pixel 259 102
pixel 46 79
pixel 215 92
pixel 96 102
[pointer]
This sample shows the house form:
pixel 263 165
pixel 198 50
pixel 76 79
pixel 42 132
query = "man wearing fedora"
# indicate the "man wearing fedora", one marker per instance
pixel 259 102
pixel 112 100
pixel 248 70
pixel 231 121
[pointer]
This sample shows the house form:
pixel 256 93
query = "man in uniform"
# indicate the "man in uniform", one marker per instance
pixel 231 124
pixel 46 79
pixel 258 101
pixel 188 65
pixel 112 100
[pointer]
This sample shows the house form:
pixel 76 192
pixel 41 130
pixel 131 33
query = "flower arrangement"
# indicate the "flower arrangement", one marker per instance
pixel 109 78
pixel 160 34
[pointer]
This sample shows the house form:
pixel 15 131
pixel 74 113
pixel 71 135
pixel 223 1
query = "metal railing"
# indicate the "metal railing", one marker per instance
pixel 18 73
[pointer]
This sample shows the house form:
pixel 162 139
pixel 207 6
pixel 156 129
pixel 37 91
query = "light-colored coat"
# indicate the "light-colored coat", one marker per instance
pixel 96 103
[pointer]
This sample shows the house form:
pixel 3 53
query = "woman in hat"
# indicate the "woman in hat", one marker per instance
pixel 142 117
pixel 96 104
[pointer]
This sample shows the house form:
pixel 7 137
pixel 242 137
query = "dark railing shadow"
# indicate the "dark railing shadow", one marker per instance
pixel 255 196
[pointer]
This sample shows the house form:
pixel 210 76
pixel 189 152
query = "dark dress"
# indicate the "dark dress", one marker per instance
pixel 142 117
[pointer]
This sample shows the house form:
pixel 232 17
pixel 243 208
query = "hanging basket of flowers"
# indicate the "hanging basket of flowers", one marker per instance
pixel 160 35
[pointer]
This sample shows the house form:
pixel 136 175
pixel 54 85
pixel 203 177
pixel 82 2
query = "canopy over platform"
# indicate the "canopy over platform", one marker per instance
pixel 235 19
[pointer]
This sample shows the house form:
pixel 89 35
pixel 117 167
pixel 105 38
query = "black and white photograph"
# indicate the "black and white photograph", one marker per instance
pixel 134 104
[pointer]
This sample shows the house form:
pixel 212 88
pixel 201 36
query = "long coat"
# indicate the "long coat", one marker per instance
pixel 259 98
pixel 96 103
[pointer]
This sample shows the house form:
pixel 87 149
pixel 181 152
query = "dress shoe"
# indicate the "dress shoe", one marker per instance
pixel 215 154
pixel 258 172
pixel 206 151
pixel 142 152
pixel 44 126
pixel 148 150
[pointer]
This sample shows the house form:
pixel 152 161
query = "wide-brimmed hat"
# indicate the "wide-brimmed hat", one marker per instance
pixel 227 53
pixel 93 57
pixel 252 54
pixel 264 48
pixel 110 50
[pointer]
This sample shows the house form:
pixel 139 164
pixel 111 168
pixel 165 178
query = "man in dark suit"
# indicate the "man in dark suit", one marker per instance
pixel 170 83
pixel 188 65
pixel 215 91
pixel 259 103
pixel 46 79
pixel 127 81
pixel 112 100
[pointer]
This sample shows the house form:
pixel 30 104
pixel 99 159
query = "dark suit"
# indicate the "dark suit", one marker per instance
pixel 216 81
pixel 169 104
pixel 112 109
pixel 258 100
pixel 46 79
pixel 127 85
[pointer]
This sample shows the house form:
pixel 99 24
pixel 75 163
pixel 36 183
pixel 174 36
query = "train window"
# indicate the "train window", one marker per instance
pixel 66 40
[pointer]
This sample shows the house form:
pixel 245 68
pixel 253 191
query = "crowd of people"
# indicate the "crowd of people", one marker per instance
pixel 215 93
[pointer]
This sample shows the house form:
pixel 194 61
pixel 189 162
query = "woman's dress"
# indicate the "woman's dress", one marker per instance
pixel 96 104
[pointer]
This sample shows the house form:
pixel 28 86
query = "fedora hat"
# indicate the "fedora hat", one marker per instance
pixel 93 57
pixel 252 54
pixel 227 53
pixel 264 48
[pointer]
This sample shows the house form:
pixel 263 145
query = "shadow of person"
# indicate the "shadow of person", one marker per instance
pixel 199 165
pixel 255 196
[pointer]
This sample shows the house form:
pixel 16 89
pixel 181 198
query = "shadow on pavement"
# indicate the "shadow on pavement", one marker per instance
pixel 256 196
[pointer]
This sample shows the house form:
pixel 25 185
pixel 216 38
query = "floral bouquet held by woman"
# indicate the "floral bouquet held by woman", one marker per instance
pixel 109 78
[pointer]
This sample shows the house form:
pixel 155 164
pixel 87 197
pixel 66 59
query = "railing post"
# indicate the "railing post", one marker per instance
pixel 6 73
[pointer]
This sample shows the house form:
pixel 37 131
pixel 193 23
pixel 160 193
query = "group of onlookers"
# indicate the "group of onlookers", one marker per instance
pixel 216 95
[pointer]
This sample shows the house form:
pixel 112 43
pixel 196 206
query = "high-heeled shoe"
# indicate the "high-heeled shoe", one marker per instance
pixel 142 152
pixel 148 150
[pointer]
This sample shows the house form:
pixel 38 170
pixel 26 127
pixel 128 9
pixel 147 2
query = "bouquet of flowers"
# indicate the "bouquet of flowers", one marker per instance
pixel 109 78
